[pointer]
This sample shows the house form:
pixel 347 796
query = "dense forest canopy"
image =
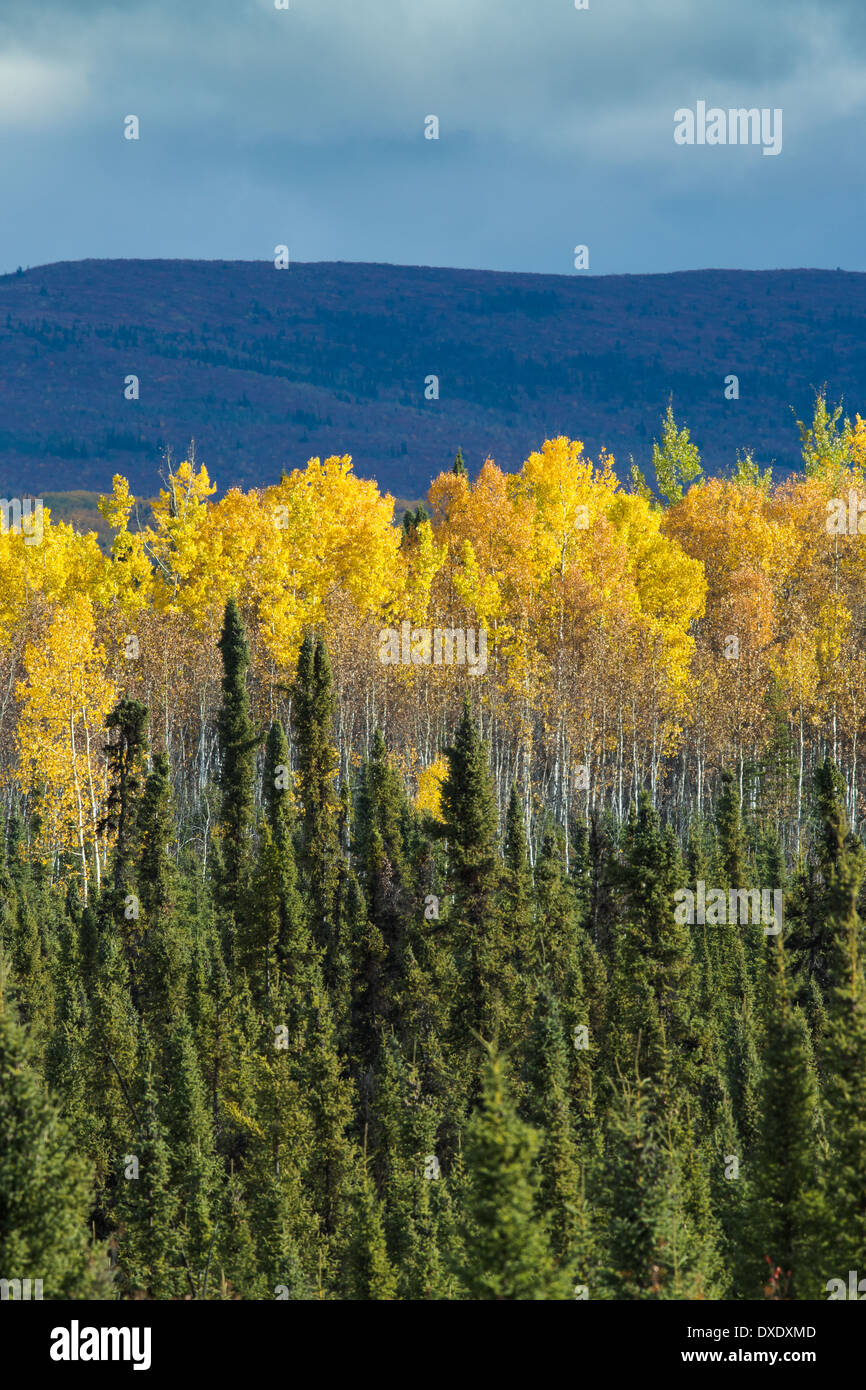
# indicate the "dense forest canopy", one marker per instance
pixel 628 643
pixel 329 977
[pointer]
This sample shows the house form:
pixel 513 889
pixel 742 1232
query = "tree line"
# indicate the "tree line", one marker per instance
pixel 635 637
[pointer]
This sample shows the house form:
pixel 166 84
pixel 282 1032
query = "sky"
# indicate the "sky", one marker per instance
pixel 305 127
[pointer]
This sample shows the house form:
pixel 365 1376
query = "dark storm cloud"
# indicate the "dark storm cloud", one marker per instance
pixel 261 126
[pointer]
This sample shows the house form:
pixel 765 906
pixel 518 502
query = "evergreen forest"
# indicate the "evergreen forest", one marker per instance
pixel 324 978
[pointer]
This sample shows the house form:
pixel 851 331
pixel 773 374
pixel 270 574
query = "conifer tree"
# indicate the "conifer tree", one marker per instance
pixel 824 910
pixel 276 1217
pixel 369 1000
pixel 517 880
pixel 194 1162
pixel 66 1061
pixel 163 953
pixel 148 1209
pixel 732 966
pixel 155 874
pixel 555 946
pixel 236 1253
pixel 29 950
pixel 329 1103
pixel 731 839
pixel 129 718
pixel 743 1071
pixel 368 1270
pixel 412 520
pixel 507 1252
pixel 843 1055
pixel 516 912
pixel 601 873
pixel 422 1272
pixel 560 1194
pixel 469 822
pixel 237 743
pixel 783 1171
pixel 258 935
pixel 382 826
pixel 653 982
pixel 112 1046
pixel 653 1249
pixel 405 1165
pixel 736 952
pixel 312 721
pixel 277 786
pixel 468 813
pixel 44 1184
pixel 841 1209
pixel 277 886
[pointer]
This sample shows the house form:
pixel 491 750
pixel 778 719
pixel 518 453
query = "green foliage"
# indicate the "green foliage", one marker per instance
pixel 44 1184
pixel 825 446
pixel 507 1254
pixel 676 461
pixel 748 474
pixel 653 1248
pixel 129 718
pixel 237 741
pixel 273 1081
pixel 784 1165
pixel 312 721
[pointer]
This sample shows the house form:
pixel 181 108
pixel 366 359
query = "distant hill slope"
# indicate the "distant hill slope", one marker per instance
pixel 265 368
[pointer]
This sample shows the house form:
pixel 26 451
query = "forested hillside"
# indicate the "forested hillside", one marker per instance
pixel 344 959
pixel 105 364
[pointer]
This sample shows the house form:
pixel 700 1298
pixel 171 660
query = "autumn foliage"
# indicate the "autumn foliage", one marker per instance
pixel 609 621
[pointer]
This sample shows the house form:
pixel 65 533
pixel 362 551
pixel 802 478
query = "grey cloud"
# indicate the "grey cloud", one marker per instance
pixel 294 110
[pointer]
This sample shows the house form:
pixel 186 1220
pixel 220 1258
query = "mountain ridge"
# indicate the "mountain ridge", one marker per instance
pixel 266 368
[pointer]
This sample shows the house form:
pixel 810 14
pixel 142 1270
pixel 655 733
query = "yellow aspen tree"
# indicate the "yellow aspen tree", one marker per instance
pixel 327 538
pixel 65 698
pixel 129 574
pixel 176 541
